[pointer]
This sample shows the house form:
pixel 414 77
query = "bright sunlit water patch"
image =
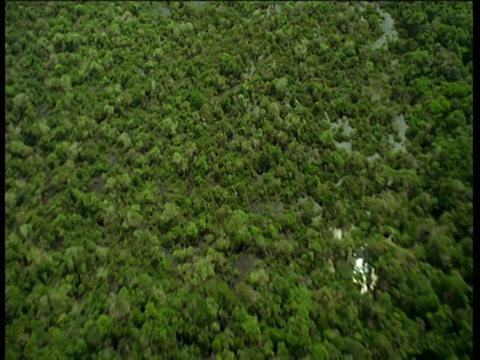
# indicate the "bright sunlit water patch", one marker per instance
pixel 337 234
pixel 364 275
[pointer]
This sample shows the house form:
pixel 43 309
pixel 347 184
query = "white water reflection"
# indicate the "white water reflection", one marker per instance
pixel 337 234
pixel 364 275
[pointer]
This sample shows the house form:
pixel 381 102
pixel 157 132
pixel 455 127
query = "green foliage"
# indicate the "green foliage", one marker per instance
pixel 197 99
pixel 179 182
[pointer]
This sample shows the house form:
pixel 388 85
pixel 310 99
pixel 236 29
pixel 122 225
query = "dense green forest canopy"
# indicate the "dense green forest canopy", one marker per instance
pixel 238 180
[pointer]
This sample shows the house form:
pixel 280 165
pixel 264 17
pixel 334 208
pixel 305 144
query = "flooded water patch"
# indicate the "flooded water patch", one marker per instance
pixel 162 10
pixel 343 123
pixel 364 275
pixel 260 207
pixel 97 185
pixel 313 156
pixel 243 264
pixel 344 145
pixel 388 28
pixel 400 126
pixel 387 25
pixel 337 233
pixel 112 160
pixel 42 111
pixel 307 200
pixel 347 131
pixel 396 146
pixel 373 157
pixel 248 74
pixel 199 4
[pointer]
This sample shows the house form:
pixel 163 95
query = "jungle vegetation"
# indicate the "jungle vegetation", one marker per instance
pixel 194 180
